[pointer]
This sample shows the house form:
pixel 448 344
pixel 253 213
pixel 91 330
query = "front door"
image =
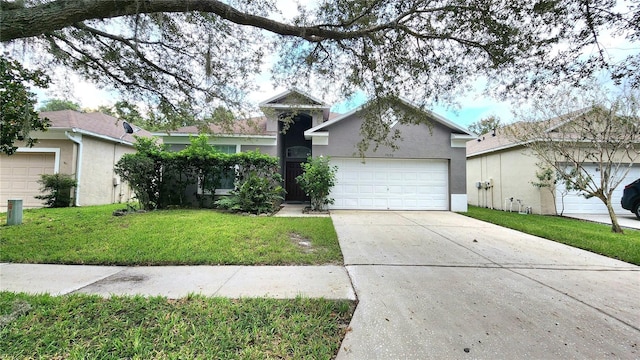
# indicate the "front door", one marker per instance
pixel 294 192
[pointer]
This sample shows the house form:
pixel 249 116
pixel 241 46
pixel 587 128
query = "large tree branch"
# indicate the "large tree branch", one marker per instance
pixel 37 20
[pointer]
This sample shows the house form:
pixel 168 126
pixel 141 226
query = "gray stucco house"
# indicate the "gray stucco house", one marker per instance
pixel 427 171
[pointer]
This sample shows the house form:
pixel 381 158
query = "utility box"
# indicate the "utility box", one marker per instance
pixel 14 212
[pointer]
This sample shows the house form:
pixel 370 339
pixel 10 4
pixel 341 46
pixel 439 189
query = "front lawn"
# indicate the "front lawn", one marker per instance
pixel 92 235
pixel 586 235
pixel 195 327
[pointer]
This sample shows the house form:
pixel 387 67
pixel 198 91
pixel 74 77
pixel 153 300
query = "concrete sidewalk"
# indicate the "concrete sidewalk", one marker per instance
pixel 329 281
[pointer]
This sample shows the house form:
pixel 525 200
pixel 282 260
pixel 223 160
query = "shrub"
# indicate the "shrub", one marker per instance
pixel 58 189
pixel 317 180
pixel 256 195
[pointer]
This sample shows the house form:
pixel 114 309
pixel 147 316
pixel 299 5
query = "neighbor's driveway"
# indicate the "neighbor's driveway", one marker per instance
pixel 438 285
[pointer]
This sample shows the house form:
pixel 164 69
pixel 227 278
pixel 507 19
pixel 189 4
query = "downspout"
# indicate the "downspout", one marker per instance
pixel 78 164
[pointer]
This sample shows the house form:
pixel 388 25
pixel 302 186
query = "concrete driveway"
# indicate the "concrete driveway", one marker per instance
pixel 438 285
pixel 626 220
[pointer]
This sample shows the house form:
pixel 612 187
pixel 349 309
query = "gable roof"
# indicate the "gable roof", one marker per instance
pixel 280 100
pixel 93 124
pixel 433 116
pixel 500 140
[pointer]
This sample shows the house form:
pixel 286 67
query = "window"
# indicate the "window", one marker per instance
pixel 226 183
pixel 298 152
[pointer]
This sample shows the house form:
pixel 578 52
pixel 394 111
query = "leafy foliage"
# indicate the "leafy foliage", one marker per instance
pixel 17 115
pixel 187 57
pixel 59 104
pixel 485 125
pixel 256 194
pixel 58 186
pixel 317 180
pixel 604 133
pixel 162 178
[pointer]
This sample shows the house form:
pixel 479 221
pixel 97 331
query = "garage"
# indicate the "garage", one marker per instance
pixel 19 175
pixel 391 184
pixel 574 203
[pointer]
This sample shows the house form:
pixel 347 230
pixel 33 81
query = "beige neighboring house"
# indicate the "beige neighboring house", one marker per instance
pixel 500 173
pixel 85 145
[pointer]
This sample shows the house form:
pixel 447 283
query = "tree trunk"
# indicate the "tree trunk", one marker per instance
pixel 615 226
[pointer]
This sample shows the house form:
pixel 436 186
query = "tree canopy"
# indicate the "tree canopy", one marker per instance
pixel 201 54
pixel 17 115
pixel 485 125
pixel 59 104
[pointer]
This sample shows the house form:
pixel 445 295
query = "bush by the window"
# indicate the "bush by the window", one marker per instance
pixel 256 195
pixel 317 180
pixel 56 189
pixel 161 178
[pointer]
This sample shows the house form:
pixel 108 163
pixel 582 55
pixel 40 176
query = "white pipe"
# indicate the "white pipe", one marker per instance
pixel 78 164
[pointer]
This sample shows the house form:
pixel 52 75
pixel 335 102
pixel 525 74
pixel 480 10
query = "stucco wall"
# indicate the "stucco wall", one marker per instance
pixel 96 179
pixel 511 173
pixel 417 142
pixel 265 149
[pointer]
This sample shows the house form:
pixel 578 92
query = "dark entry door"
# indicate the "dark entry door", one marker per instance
pixel 294 192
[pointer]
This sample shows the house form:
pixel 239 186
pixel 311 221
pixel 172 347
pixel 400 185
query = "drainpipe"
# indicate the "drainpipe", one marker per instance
pixel 77 140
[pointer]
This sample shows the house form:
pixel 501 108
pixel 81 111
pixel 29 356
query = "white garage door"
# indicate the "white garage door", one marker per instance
pixel 391 184
pixel 19 175
pixel 574 203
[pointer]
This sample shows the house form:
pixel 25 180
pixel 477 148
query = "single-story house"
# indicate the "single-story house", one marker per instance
pixel 501 172
pixel 427 171
pixel 85 145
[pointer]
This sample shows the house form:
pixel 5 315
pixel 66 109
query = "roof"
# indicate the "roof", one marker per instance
pixel 253 126
pixel 499 139
pixel 93 124
pixel 281 99
pixel 433 116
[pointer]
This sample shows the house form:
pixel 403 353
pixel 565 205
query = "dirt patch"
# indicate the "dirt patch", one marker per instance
pixel 302 242
pixel 122 279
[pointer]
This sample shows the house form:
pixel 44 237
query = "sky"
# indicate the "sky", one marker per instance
pixel 472 106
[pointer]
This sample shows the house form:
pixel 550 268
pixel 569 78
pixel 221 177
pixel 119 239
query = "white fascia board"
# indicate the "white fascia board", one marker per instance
pixel 56 151
pixel 460 140
pixel 332 121
pixel 225 140
pixel 99 136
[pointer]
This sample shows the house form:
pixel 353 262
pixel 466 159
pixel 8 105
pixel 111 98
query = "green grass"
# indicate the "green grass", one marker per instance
pixel 594 237
pixel 195 327
pixel 92 235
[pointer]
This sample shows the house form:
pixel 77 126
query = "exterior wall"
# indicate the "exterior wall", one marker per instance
pixel 97 175
pixel 511 173
pixel 269 150
pixel 417 142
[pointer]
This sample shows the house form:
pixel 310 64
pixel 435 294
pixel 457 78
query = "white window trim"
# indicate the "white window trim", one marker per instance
pixel 201 191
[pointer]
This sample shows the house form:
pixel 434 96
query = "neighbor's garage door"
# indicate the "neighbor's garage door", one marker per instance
pixel 577 204
pixel 19 175
pixel 391 184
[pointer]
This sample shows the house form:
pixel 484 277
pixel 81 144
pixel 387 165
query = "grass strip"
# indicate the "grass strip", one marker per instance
pixel 195 327
pixel 92 235
pixel 594 237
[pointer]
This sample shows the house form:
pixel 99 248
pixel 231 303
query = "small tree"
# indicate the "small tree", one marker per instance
pixel 57 188
pixel 317 180
pixel 605 133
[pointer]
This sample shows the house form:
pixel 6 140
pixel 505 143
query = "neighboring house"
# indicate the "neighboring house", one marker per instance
pixel 501 173
pixel 85 145
pixel 426 171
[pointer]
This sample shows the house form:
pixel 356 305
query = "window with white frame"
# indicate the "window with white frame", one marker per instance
pixel 226 182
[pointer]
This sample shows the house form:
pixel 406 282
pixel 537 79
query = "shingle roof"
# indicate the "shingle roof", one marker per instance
pixel 96 123
pixel 252 126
